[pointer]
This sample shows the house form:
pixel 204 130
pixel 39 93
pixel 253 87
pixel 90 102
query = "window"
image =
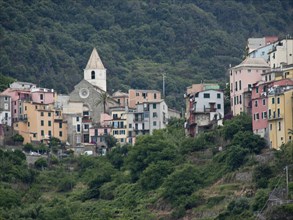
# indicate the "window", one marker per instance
pixel 270 113
pixel 34 135
pixel 256 89
pixel 86 127
pixel 130 126
pixel 154 106
pixel 77 118
pixel 137 94
pixel 264 114
pixel 93 75
pixel 237 100
pixel 231 87
pixel 279 126
pixel 218 95
pixel 249 70
pixel 115 132
pixel 278 100
pixel 122 140
pixel 41 96
pixel 122 131
pixel 42 122
pixel 49 114
pixel 144 94
pixel 78 128
pixel 60 133
pixel 218 106
pixel 49 123
pixel 271 126
pixel 263 102
pixel 278 112
pixel 257 116
pixel 50 133
pixel 115 116
pixel 240 85
pixel 236 86
pixel 154 123
pixel 206 95
pixel 60 124
pixel 42 132
pixel 155 115
pixel 240 99
pixel 118 100
pixel 155 96
pixel 266 78
pixel 25 108
pixel 28 124
pixel 273 100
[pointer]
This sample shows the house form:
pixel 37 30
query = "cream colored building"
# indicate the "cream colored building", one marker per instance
pixel 280 118
pixel 281 54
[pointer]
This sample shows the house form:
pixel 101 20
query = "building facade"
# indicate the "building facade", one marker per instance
pixel 242 77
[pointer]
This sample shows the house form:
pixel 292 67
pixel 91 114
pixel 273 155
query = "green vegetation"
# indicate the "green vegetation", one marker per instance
pixel 156 178
pixel 49 42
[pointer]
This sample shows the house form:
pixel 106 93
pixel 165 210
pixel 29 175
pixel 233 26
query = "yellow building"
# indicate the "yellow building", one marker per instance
pixel 38 122
pixel 280 111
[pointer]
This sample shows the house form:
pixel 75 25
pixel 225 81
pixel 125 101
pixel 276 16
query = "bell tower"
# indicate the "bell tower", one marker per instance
pixel 95 72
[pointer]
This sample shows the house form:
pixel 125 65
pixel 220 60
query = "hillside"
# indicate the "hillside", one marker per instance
pixel 49 42
pixel 163 176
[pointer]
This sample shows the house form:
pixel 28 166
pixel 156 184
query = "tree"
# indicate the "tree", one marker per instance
pixel 246 139
pixel 182 183
pixel 17 138
pixel 103 100
pixel 110 141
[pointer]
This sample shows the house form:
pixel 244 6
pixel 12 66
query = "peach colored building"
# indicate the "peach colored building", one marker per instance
pixel 139 96
pixel 38 122
pixel 242 77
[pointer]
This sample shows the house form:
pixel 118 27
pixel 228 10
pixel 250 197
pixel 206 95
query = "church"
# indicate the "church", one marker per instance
pixel 85 104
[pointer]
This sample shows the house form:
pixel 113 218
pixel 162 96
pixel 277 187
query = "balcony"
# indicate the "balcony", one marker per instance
pixel 204 110
pixel 275 117
pixel 22 118
pixel 86 119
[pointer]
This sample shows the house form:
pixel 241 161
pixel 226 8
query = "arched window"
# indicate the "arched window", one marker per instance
pixel 93 75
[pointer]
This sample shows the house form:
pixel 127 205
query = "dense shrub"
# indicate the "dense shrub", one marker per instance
pixel 182 183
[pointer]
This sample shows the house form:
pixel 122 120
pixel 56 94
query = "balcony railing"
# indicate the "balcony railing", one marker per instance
pixel 275 117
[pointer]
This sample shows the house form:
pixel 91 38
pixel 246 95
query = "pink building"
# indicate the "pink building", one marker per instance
pixel 42 95
pixel 242 77
pixel 259 99
pixel 21 92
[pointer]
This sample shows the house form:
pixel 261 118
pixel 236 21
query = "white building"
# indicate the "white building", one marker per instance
pixel 150 116
pixel 5 110
pixel 282 53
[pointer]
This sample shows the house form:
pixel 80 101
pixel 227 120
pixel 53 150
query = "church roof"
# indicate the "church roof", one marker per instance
pixel 95 61
pixel 253 62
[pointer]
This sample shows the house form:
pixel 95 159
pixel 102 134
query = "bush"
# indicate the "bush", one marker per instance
pixel 28 147
pixel 153 176
pixel 9 198
pixel 261 176
pixel 41 163
pixel 260 199
pixel 246 139
pixel 238 206
pixel 66 184
pixel 17 138
pixel 181 183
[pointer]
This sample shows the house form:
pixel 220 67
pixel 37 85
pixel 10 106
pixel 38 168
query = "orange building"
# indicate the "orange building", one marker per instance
pixel 38 122
pixel 139 96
